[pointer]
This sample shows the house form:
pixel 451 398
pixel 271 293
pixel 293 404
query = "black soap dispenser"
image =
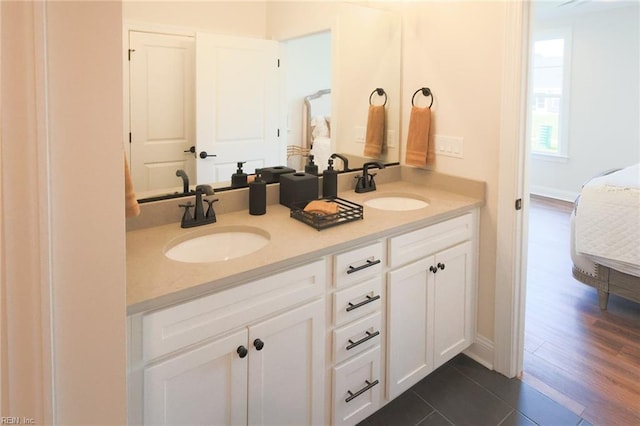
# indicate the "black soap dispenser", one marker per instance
pixel 239 178
pixel 330 181
pixel 258 195
pixel 311 167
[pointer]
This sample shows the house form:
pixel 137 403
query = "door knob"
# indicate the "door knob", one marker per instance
pixel 259 344
pixel 191 150
pixel 242 351
pixel 203 154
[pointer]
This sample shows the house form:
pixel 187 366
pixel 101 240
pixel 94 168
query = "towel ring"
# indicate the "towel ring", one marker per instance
pixel 380 92
pixel 425 92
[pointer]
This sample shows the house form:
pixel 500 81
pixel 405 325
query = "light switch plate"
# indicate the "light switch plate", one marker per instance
pixel 450 146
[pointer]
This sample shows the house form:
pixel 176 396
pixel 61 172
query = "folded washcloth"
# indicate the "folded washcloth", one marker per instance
pixel 131 206
pixel 375 131
pixel 321 207
pixel 419 149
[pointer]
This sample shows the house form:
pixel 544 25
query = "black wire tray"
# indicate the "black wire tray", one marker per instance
pixel 347 212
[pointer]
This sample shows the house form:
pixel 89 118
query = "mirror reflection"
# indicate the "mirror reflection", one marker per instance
pixel 216 85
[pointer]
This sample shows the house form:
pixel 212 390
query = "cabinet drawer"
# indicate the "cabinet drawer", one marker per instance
pixel 358 264
pixel 356 337
pixel 169 329
pixel 357 301
pixel 426 241
pixel 356 388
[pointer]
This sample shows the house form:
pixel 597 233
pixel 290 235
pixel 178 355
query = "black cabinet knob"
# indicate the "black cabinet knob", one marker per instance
pixel 242 351
pixel 259 344
pixel 433 269
pixel 441 265
pixel 203 154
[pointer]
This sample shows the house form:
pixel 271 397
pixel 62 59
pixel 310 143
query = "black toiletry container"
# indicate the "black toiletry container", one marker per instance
pixel 297 187
pixel 272 174
pixel 258 196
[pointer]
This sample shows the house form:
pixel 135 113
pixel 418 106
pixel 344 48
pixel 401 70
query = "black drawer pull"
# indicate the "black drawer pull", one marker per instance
pixel 361 391
pixel 369 299
pixel 364 339
pixel 369 263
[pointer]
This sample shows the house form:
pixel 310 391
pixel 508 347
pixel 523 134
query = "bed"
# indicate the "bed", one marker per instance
pixel 316 132
pixel 605 234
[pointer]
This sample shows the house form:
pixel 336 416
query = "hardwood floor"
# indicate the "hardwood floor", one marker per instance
pixel 584 358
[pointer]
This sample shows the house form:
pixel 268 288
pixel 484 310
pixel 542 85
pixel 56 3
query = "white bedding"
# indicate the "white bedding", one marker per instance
pixel 607 221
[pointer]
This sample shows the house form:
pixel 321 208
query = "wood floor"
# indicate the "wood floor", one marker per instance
pixel 584 358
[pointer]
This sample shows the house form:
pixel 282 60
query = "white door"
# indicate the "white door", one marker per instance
pixel 205 386
pixel 162 102
pixel 452 308
pixel 286 376
pixel 237 105
pixel 410 325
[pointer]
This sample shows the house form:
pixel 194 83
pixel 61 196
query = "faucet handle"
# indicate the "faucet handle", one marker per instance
pixel 210 211
pixel 186 217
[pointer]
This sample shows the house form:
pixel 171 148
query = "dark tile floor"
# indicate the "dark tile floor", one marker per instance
pixel 463 392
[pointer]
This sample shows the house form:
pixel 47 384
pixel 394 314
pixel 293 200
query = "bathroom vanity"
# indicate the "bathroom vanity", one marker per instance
pixel 317 327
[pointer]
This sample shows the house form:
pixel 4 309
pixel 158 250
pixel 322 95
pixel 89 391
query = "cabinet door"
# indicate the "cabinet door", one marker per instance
pixel 286 376
pixel 410 325
pixel 204 386
pixel 453 310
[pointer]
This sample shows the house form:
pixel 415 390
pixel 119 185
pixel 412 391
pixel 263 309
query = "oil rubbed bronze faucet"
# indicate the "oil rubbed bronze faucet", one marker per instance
pixel 199 216
pixel 365 182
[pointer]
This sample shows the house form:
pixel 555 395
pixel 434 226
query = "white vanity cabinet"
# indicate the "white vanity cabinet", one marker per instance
pixel 358 301
pixel 253 354
pixel 431 299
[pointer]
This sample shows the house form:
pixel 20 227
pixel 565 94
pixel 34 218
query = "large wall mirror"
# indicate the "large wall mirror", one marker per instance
pixel 265 83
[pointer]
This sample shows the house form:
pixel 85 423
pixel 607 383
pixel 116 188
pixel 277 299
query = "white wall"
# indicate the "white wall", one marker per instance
pixel 604 130
pixel 239 18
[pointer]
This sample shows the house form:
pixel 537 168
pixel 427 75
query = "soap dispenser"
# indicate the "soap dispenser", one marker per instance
pixel 311 167
pixel 239 178
pixel 330 181
pixel 258 195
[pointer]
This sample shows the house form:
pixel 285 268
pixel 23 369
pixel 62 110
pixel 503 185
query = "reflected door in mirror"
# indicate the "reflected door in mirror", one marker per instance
pixel 162 102
pixel 237 104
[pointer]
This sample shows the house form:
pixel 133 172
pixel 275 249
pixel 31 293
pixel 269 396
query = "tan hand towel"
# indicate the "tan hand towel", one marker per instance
pixel 375 131
pixel 420 151
pixel 131 206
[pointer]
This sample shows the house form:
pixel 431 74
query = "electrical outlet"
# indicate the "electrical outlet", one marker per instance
pixel 391 138
pixel 450 146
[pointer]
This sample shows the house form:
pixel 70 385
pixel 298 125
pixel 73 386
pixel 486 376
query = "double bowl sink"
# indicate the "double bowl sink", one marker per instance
pixel 222 243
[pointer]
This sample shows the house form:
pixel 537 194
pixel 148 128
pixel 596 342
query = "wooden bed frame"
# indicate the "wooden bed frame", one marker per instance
pixel 610 281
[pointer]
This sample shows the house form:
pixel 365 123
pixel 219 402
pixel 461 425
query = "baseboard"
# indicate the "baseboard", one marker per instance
pixel 558 194
pixel 481 351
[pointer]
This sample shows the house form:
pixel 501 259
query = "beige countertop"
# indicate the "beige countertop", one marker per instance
pixel 154 281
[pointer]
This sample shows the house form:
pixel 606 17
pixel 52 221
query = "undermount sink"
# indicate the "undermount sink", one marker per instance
pixel 217 245
pixel 396 202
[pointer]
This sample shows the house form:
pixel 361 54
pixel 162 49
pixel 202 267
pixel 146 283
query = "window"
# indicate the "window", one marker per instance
pixel 549 100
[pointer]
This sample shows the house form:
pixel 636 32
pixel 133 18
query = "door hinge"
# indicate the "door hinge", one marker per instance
pixel 129 137
pixel 519 204
pixel 129 53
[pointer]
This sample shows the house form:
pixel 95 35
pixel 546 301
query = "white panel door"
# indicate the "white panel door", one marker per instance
pixel 162 102
pixel 237 104
pixel 205 386
pixel 410 325
pixel 453 310
pixel 286 376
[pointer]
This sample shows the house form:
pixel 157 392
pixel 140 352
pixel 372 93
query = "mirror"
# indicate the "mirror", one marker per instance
pixel 364 48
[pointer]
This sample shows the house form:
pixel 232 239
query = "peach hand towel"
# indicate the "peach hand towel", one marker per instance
pixel 375 131
pixel 419 149
pixel 131 206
